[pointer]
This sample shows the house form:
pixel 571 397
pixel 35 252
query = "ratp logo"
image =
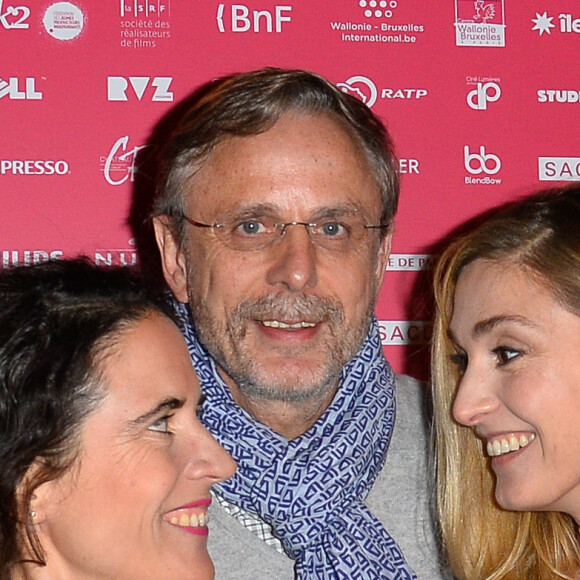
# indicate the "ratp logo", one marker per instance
pixel 361 87
pixel 479 23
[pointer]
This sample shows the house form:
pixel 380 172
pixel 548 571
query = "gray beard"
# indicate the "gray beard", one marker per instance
pixel 225 344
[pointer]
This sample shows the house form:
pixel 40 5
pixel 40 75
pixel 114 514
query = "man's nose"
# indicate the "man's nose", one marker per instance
pixel 475 398
pixel 293 259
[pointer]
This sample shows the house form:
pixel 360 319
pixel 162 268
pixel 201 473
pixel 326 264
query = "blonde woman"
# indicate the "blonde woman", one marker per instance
pixel 506 387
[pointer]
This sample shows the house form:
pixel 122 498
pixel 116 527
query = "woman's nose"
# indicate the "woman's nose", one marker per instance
pixel 475 399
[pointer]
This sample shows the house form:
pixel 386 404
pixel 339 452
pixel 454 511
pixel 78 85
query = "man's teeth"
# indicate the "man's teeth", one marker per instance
pixel 507 445
pixel 191 521
pixel 296 325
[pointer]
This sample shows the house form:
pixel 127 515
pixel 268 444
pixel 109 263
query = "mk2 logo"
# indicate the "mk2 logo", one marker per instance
pixel 117 88
pixel 14 90
pixel 484 93
pixel 239 18
pixel 14 16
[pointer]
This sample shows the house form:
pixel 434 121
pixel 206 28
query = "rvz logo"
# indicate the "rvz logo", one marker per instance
pixel 483 94
pixel 117 88
pixel 243 19
pixel 484 162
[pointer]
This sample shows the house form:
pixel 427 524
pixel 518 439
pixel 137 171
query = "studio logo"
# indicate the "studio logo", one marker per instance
pixel 13 89
pixel 558 96
pixel 559 168
pixel 543 23
pixel 63 20
pixel 120 164
pixel 240 18
pixel 479 23
pixel 118 87
pixel 144 8
pixel 361 87
pixel 483 94
pixel 14 17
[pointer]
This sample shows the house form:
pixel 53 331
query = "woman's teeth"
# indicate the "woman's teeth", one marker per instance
pixel 505 445
pixel 191 521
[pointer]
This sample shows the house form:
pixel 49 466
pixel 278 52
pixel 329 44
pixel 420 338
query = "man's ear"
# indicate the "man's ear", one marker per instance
pixel 172 258
pixel 383 257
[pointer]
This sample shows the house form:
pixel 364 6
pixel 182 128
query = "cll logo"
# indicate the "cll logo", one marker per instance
pixel 361 87
pixel 14 90
pixel 123 164
pixel 543 23
pixel 117 88
pixel 242 19
pixel 14 16
pixel 482 162
pixel 484 93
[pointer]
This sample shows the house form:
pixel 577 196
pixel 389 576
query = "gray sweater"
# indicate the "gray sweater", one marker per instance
pixel 399 499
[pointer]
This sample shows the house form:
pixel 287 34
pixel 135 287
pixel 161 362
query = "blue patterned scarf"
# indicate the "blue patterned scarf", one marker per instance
pixel 311 490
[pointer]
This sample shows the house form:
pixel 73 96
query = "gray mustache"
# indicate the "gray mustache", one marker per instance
pixel 275 307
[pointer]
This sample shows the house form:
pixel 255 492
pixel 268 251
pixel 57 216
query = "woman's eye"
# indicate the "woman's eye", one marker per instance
pixel 161 425
pixel 459 359
pixel 250 227
pixel 505 355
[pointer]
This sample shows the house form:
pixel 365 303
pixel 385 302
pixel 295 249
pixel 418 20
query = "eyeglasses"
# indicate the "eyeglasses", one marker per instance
pixel 340 234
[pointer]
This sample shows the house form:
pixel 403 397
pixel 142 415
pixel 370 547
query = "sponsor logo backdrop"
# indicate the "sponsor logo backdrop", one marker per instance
pixel 482 97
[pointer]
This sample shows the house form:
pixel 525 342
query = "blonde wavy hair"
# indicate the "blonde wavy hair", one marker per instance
pixel 541 235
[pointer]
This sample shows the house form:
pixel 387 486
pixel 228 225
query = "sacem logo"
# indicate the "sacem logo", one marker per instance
pixel 242 19
pixel 360 87
pixel 484 93
pixel 559 168
pixel 14 17
pixel 117 88
pixel 401 332
pixel 482 162
pixel 30 167
pixel 14 90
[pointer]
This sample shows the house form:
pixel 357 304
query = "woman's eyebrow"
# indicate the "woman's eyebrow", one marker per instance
pixel 489 324
pixel 166 405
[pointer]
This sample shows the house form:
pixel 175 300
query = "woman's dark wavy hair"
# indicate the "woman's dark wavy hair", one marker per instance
pixel 57 322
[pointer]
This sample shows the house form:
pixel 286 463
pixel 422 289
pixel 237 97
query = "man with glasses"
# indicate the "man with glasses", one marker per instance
pixel 274 218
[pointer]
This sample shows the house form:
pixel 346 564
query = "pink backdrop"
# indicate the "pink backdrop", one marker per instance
pixel 482 98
